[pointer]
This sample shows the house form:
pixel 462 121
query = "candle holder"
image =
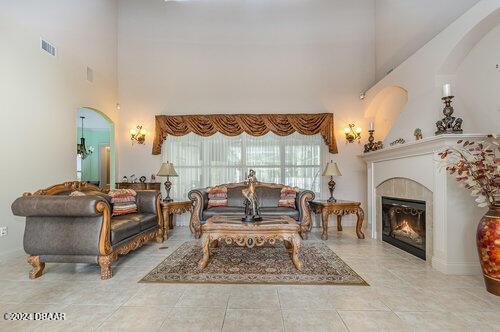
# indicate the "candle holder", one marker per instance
pixel 449 124
pixel 372 145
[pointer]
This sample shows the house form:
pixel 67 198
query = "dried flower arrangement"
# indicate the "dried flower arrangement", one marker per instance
pixel 476 165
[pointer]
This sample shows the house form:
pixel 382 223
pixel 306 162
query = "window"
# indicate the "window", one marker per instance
pixel 208 161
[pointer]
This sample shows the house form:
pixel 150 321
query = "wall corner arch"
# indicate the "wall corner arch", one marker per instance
pixel 385 107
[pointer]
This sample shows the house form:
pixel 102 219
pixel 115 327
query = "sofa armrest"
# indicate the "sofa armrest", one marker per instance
pixel 57 206
pixel 302 204
pixel 146 201
pixel 199 197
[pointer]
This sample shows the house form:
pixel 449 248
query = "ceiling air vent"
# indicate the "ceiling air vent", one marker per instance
pixel 90 75
pixel 48 47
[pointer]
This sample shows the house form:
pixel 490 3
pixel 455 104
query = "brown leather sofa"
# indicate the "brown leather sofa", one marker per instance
pixel 268 195
pixel 80 229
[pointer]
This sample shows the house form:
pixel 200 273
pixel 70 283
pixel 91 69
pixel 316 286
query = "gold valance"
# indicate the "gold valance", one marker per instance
pixel 252 124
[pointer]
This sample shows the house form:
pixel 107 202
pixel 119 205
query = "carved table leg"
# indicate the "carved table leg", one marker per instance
pixel 295 240
pixel 105 264
pixel 170 221
pixel 166 229
pixel 339 222
pixel 37 266
pixel 359 223
pixel 160 236
pixel 324 219
pixel 206 251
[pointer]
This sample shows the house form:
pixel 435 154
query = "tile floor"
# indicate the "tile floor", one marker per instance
pixel 405 294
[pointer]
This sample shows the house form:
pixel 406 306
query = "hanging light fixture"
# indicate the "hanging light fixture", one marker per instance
pixel 81 149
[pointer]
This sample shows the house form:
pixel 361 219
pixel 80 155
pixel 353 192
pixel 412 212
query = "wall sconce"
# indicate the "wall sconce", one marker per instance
pixel 352 133
pixel 138 135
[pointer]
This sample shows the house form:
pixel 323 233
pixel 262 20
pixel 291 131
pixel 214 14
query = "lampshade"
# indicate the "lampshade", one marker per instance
pixel 331 169
pixel 167 169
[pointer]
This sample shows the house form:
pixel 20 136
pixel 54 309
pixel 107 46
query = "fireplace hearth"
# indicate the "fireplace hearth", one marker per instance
pixel 403 224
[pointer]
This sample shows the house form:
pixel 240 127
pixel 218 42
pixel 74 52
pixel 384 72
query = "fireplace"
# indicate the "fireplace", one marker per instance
pixel 403 224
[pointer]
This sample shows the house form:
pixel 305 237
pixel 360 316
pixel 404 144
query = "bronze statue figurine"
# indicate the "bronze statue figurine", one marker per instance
pixel 251 203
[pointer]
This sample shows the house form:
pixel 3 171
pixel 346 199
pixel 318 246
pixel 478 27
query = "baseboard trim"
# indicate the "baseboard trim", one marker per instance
pixel 456 268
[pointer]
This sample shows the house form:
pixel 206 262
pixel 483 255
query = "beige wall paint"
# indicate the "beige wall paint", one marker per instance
pixel 404 26
pixel 276 56
pixel 39 94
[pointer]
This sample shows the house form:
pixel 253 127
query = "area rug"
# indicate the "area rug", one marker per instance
pixel 231 264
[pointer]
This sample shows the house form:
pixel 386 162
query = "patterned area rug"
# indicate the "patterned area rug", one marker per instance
pixel 260 265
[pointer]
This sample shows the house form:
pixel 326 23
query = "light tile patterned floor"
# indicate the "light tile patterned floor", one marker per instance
pixel 405 294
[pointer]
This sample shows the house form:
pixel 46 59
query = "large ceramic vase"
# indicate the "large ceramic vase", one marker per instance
pixel 488 248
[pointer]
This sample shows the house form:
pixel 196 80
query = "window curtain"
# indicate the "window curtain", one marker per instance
pixel 293 160
pixel 252 124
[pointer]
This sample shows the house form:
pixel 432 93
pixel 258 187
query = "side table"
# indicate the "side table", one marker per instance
pixel 169 209
pixel 339 208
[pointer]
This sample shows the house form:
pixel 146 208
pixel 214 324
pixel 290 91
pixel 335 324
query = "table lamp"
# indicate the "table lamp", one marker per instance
pixel 331 170
pixel 167 169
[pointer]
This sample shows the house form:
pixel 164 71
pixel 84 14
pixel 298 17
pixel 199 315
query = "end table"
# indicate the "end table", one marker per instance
pixel 171 208
pixel 339 208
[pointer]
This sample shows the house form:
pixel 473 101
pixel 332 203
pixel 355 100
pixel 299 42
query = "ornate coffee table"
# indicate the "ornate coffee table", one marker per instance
pixel 250 234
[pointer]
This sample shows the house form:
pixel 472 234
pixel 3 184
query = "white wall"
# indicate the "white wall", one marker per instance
pixel 478 84
pixel 451 57
pixel 39 94
pixel 277 56
pixel 404 26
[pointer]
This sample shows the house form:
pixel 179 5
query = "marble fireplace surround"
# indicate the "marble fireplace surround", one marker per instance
pixel 413 171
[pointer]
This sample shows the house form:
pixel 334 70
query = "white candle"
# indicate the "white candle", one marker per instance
pixel 447 90
pixel 372 126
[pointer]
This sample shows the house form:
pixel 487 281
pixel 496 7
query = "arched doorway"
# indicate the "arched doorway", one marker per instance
pixel 95 148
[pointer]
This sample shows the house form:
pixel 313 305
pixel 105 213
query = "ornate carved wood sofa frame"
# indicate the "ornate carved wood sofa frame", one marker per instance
pixel 268 194
pixel 80 229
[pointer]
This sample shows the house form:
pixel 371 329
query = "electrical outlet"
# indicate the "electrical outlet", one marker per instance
pixel 3 231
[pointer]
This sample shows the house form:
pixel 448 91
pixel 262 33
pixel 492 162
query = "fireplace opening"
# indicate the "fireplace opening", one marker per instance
pixel 403 224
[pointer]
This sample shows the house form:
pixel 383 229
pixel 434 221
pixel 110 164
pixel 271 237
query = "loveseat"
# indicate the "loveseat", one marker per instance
pixel 80 229
pixel 268 195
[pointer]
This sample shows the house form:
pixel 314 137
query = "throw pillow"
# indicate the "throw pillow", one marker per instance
pixel 217 196
pixel 288 196
pixel 123 201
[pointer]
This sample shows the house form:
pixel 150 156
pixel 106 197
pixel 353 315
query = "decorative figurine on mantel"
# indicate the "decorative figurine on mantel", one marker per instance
pixel 252 208
pixel 372 145
pixel 449 124
pixel 331 170
pixel 418 134
pixel 398 141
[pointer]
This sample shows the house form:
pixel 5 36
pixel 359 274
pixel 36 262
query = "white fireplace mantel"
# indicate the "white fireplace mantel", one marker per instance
pixel 455 215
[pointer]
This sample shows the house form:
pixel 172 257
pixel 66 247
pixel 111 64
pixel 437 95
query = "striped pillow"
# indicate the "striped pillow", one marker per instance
pixel 288 196
pixel 124 208
pixel 217 196
pixel 123 201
